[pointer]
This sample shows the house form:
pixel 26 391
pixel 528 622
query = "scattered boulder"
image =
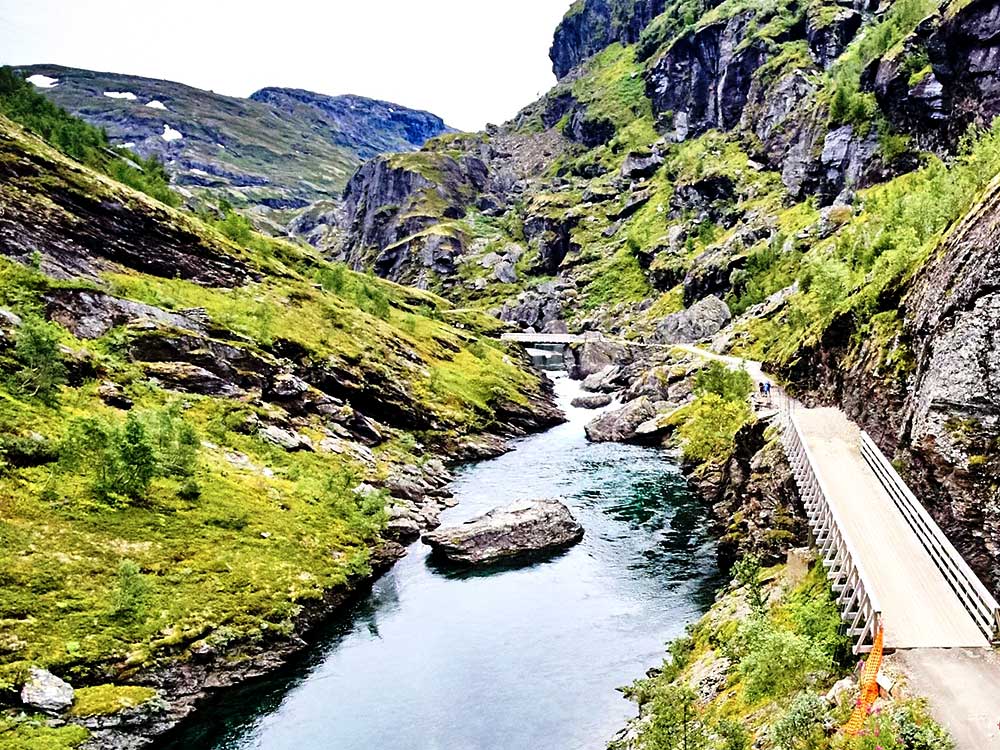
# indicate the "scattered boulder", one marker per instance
pixel 523 529
pixel 402 529
pixel 605 381
pixel 702 320
pixel 290 440
pixel 639 165
pixel 113 395
pixel 46 692
pixel 591 401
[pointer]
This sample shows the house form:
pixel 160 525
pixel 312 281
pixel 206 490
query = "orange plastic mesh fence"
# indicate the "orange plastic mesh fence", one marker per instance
pixel 869 687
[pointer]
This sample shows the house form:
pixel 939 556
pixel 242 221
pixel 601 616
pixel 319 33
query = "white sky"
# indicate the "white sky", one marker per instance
pixel 469 61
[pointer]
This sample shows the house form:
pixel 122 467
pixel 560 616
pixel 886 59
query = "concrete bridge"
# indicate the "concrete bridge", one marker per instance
pixel 529 339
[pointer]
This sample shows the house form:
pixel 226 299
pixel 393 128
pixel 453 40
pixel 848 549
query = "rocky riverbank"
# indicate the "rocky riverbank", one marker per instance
pixel 743 475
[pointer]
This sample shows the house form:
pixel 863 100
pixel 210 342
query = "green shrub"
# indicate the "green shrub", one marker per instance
pixel 747 572
pixel 676 723
pixel 123 459
pixel 728 383
pixel 130 592
pixel 709 427
pixel 733 735
pixel 917 730
pixel 175 442
pixel 333 278
pixel 802 727
pixel 776 661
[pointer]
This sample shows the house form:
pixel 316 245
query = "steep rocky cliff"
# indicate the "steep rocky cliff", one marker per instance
pixel 591 25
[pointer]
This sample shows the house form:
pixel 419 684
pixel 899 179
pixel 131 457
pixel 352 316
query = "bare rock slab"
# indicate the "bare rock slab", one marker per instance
pixel 46 692
pixel 525 529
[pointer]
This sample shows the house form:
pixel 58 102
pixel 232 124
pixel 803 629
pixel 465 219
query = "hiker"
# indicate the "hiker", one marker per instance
pixel 760 387
pixel 767 390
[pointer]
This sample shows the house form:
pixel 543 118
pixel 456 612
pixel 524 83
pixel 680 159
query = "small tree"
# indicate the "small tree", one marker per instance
pixel 135 460
pixel 41 370
pixel 675 722
pixel 747 574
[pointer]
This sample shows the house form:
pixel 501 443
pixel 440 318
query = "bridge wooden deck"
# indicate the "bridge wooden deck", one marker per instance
pixel 919 607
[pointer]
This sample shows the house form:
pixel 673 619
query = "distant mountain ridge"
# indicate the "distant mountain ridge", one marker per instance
pixel 367 126
pixel 276 152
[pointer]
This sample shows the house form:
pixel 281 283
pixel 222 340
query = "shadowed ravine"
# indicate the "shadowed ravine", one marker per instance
pixel 513 658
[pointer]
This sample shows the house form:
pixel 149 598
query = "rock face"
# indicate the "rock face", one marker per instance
pixel 591 25
pixel 392 202
pixel 959 87
pixel 703 79
pixel 756 502
pixel 523 529
pixel 46 692
pixel 951 422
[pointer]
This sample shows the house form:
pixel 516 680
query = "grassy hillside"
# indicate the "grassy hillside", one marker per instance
pixel 147 515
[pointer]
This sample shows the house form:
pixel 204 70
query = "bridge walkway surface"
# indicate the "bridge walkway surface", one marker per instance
pixel 945 655
pixel 919 607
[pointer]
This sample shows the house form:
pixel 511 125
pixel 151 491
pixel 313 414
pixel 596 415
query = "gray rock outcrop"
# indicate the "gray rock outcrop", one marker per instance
pixel 621 425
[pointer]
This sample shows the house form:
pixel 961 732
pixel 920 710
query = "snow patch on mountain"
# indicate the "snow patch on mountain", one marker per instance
pixel 43 82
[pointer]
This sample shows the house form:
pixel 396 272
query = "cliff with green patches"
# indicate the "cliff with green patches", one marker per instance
pixel 209 440
pixel 785 181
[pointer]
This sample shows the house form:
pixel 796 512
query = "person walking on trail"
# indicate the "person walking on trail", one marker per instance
pixel 766 385
pixel 760 387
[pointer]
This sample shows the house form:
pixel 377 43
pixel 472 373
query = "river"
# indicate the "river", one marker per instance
pixel 509 659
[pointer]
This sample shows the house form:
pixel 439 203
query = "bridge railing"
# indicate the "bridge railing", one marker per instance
pixel 859 604
pixel 970 590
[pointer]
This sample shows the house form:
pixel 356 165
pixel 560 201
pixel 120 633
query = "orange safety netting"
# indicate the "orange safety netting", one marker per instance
pixel 869 687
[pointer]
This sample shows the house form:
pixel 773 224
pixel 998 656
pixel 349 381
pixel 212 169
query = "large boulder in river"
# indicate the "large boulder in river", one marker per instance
pixel 591 401
pixel 524 529
pixel 621 424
